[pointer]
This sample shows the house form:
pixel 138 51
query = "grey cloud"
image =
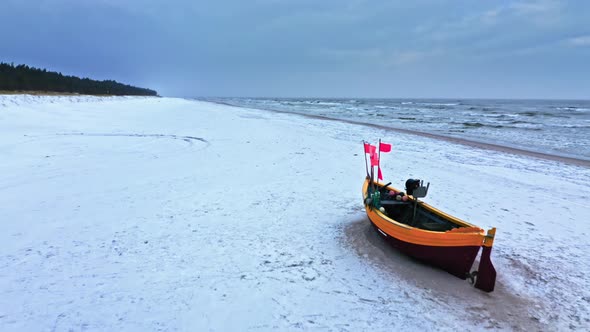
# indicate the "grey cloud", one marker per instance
pixel 290 48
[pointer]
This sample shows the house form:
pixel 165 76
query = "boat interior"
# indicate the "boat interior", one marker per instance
pixel 403 212
pixel 412 213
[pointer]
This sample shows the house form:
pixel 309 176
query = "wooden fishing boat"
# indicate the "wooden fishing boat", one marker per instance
pixel 428 234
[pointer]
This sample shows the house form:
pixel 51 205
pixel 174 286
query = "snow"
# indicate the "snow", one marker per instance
pixel 143 213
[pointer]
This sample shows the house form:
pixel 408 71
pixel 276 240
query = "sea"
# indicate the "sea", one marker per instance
pixel 555 127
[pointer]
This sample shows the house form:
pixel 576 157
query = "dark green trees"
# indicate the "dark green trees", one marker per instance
pixel 25 78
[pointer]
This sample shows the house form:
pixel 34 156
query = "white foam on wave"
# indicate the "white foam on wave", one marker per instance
pixel 438 104
pixel 575 109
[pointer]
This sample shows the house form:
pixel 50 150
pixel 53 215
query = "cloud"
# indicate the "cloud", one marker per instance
pixel 253 47
pixel 406 57
pixel 579 41
pixel 532 7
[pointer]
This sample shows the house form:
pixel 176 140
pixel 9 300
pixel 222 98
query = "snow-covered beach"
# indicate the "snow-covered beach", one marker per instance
pixel 161 213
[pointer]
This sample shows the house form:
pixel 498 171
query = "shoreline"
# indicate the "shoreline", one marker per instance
pixel 456 140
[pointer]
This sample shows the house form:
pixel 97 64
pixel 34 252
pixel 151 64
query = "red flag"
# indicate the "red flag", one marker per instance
pixel 385 147
pixel 374 159
pixel 379 174
pixel 370 148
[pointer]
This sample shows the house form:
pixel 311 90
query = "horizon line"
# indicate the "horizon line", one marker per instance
pixel 399 98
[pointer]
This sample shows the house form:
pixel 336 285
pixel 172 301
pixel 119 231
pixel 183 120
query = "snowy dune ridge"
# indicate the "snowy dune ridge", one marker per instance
pixel 142 213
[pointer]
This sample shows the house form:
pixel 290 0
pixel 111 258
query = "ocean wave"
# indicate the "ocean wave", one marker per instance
pixel 540 124
pixel 512 124
pixel 573 108
pixel 482 108
pixel 434 106
pixel 479 125
pixel 521 122
pixel 326 103
pixel 495 115
pixel 527 125
pixel 572 126
pixel 545 114
pixel 439 104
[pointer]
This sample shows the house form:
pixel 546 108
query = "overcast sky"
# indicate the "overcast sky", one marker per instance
pixel 310 48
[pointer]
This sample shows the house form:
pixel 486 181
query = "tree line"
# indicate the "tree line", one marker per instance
pixel 25 78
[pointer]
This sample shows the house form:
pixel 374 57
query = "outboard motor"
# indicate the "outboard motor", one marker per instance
pixel 412 184
pixel 416 188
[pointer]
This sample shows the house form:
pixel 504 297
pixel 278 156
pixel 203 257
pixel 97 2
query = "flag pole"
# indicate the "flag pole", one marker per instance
pixel 379 151
pixel 379 164
pixel 372 178
pixel 373 185
pixel 365 150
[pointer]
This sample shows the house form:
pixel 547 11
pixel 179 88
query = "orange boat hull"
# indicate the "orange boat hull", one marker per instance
pixel 453 251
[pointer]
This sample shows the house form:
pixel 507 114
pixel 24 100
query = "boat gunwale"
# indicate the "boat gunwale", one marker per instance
pixel 419 236
pixel 425 205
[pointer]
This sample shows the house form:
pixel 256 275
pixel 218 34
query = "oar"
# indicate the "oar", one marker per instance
pixel 486 273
